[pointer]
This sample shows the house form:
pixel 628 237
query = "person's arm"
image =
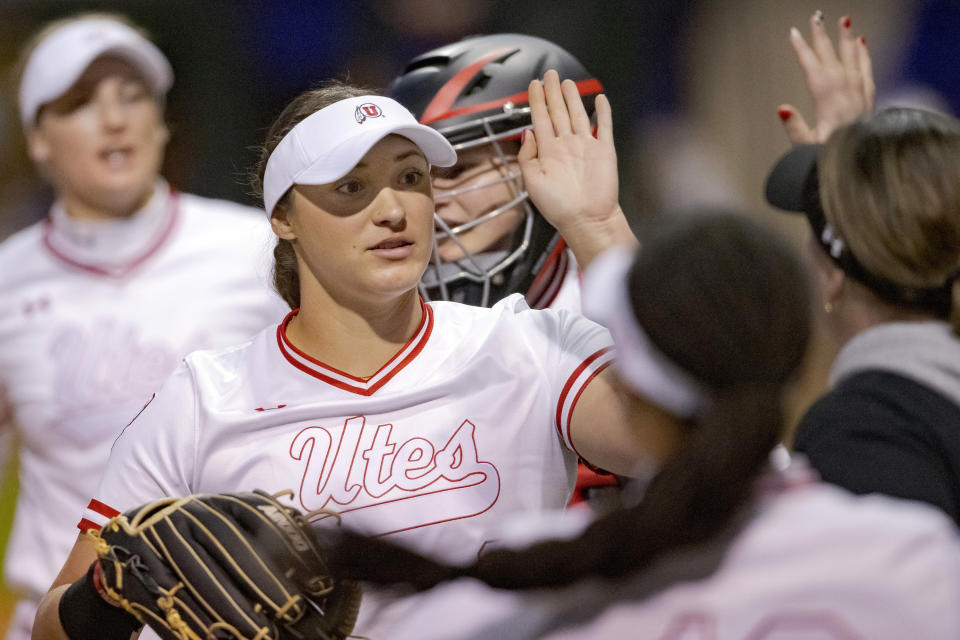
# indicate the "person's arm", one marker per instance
pixel 840 81
pixel 6 432
pixel 602 434
pixel 47 624
pixel 570 174
pixel 150 459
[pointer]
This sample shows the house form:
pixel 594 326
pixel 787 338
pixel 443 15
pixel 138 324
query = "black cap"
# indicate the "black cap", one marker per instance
pixel 792 184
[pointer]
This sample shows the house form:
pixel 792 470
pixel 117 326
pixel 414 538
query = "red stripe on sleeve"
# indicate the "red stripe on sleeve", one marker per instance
pixel 570 382
pixel 102 509
pixel 85 525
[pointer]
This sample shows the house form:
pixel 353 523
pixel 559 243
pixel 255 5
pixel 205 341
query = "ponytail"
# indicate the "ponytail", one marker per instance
pixel 693 498
pixel 286 277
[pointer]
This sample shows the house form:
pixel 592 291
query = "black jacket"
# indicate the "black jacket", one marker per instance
pixel 882 432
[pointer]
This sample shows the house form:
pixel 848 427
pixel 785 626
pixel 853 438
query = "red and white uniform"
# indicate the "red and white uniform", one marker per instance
pixel 813 563
pixel 93 317
pixel 464 427
pixel 560 289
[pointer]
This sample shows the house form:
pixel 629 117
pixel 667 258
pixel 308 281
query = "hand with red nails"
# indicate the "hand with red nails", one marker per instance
pixel 570 174
pixel 840 80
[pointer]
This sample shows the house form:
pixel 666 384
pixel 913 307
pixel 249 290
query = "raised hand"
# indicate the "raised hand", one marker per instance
pixel 840 80
pixel 570 174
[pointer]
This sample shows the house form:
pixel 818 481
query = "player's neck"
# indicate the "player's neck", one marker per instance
pixel 79 207
pixel 354 338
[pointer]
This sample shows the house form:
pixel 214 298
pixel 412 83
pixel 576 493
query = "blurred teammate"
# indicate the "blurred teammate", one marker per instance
pixel 429 423
pixel 727 542
pixel 99 301
pixel 491 239
pixel 881 194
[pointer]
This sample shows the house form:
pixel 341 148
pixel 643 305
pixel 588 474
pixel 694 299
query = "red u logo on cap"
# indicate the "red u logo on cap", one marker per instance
pixel 367 110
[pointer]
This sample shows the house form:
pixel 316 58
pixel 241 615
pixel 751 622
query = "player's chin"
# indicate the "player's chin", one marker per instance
pixel 397 278
pixel 121 191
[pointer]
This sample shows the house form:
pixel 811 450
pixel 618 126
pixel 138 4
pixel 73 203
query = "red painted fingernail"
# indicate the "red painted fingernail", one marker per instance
pixel 863 40
pixel 784 114
pixel 846 22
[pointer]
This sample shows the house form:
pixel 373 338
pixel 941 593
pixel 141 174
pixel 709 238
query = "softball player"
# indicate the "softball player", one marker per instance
pixel 426 422
pixel 727 542
pixel 99 301
pixel 491 240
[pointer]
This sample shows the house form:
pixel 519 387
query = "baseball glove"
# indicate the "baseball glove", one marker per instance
pixel 239 566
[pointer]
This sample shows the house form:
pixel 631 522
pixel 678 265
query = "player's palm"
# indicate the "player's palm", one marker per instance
pixel 840 81
pixel 570 174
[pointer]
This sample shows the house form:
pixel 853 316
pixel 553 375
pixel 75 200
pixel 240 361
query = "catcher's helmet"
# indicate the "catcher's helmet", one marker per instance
pixel 474 92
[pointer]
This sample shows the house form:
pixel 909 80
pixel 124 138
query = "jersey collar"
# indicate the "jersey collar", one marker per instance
pixel 545 287
pixel 345 381
pixel 115 247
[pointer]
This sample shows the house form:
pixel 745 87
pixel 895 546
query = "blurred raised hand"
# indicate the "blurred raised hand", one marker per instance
pixel 840 80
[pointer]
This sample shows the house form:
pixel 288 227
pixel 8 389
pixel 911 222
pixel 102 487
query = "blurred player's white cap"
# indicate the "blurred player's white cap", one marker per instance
pixel 327 144
pixel 61 57
pixel 643 367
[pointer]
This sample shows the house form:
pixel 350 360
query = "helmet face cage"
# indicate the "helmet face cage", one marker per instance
pixel 484 270
pixel 480 87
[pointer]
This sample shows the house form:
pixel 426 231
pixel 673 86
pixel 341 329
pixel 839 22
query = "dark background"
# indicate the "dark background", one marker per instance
pixel 694 85
pixel 238 62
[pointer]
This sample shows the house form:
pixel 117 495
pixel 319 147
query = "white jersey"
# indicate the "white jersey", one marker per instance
pixel 813 563
pixel 464 427
pixel 93 318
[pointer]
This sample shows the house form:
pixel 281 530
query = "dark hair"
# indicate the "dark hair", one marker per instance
pixel 726 301
pixel 286 279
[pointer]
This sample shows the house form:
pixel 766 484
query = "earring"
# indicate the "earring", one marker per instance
pixel 828 307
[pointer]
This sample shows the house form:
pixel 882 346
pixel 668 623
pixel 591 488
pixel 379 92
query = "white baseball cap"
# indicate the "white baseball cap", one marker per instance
pixel 62 57
pixel 327 144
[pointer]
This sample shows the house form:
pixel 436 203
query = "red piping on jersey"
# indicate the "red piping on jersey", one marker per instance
pixel 557 283
pixel 449 92
pixel 569 384
pixel 421 336
pixel 547 284
pixel 573 405
pixel 584 87
pixel 173 209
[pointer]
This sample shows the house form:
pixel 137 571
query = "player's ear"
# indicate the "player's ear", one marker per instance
pixel 833 282
pixel 37 146
pixel 164 133
pixel 280 220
